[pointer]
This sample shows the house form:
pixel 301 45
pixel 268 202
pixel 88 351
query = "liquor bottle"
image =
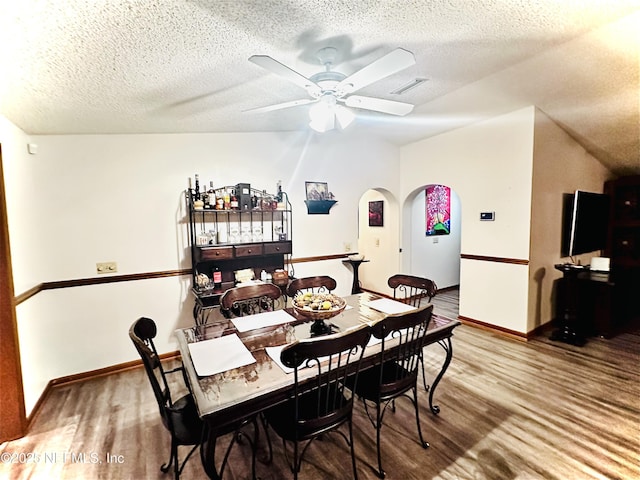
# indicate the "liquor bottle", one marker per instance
pixel 217 277
pixel 227 199
pixel 205 199
pixel 197 193
pixel 233 203
pixel 219 200
pixel 279 194
pixel 211 193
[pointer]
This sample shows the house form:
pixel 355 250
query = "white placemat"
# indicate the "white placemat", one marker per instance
pixel 219 355
pixel 274 353
pixel 261 320
pixel 388 306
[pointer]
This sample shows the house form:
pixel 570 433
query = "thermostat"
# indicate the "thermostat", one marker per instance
pixel 488 216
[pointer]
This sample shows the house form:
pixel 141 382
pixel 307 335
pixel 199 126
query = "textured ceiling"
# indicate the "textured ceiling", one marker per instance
pixel 116 66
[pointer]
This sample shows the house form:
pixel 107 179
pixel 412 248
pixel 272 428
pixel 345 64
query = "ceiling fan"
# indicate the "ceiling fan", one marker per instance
pixel 329 89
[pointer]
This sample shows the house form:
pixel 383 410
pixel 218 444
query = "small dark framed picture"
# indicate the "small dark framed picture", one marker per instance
pixel 376 218
pixel 316 191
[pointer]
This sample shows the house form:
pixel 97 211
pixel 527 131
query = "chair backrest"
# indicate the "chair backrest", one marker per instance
pixel 411 290
pixel 319 284
pixel 332 359
pixel 142 332
pixel 403 337
pixel 250 299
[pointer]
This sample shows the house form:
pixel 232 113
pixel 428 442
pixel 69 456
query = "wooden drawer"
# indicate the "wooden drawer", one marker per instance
pixel 277 247
pixel 215 253
pixel 248 250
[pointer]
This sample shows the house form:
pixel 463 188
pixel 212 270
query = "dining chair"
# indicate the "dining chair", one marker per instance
pixel 251 299
pixel 320 402
pixel 395 375
pixel 318 284
pixel 248 300
pixel 412 290
pixel 179 416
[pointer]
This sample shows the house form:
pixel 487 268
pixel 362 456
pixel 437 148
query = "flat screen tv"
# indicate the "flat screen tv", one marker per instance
pixel 585 222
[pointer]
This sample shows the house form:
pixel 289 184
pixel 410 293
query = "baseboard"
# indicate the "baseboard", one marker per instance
pixel 84 376
pixel 523 337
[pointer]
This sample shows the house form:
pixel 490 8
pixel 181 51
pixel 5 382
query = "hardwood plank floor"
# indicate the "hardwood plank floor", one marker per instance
pixel 509 410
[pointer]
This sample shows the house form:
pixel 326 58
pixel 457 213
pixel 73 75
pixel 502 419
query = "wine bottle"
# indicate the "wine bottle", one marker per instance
pixel 234 201
pixel 211 193
pixel 217 277
pixel 205 199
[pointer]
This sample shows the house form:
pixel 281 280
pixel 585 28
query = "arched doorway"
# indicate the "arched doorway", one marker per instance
pixel 435 257
pixel 378 241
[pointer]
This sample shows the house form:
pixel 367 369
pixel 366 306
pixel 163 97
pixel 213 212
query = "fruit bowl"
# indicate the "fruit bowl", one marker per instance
pixel 319 314
pixel 302 305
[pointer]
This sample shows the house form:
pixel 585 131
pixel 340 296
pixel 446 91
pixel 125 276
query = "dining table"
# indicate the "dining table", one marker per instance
pixel 234 371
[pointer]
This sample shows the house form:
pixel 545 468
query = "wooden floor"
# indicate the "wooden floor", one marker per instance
pixel 509 410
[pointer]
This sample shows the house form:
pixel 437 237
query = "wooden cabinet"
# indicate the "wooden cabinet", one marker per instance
pixel 255 236
pixel 623 246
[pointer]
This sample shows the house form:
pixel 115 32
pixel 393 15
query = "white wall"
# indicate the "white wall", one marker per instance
pixel 489 165
pixel 20 193
pixel 91 198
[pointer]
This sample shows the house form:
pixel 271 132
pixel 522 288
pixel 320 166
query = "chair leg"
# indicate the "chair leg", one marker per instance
pixel 381 473
pixel 353 452
pixel 424 376
pixel 167 466
pixel 296 465
pixel 415 404
pixel 265 425
pixel 184 462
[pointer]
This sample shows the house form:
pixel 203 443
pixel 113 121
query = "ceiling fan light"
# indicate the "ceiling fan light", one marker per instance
pixel 321 126
pixel 344 116
pixel 320 112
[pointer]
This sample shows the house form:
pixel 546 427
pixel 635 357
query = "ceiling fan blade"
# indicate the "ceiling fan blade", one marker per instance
pixel 378 105
pixel 391 63
pixel 280 106
pixel 285 72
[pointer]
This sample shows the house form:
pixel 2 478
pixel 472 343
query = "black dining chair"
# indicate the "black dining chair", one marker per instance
pixel 413 290
pixel 179 416
pixel 320 402
pixel 251 299
pixel 318 284
pixel 396 372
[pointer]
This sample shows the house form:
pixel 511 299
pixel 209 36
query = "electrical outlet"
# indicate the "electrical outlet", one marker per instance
pixel 347 246
pixel 106 267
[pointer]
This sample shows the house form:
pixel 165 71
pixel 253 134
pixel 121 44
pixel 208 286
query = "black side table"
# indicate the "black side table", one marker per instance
pixel 355 264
